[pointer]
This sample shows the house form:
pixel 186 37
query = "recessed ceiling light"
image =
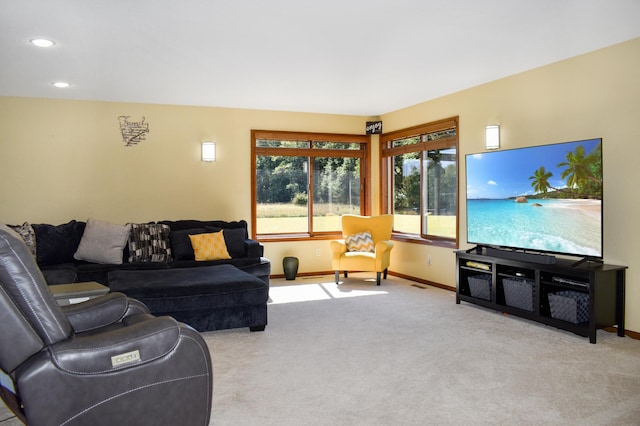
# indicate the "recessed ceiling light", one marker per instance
pixel 61 84
pixel 42 42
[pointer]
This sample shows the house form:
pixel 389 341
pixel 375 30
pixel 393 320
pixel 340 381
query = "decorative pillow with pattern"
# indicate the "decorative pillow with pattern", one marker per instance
pixel 149 242
pixel 360 242
pixel 209 246
pixel 28 236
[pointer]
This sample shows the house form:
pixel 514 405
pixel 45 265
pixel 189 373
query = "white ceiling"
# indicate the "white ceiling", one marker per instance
pixel 361 57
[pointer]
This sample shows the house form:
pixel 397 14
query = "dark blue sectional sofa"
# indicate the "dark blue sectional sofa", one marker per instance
pixel 208 295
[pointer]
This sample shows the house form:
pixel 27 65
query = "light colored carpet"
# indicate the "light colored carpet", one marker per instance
pixel 399 354
pixel 358 354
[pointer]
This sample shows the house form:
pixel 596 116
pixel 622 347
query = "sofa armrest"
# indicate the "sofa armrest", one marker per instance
pixel 253 248
pixel 102 311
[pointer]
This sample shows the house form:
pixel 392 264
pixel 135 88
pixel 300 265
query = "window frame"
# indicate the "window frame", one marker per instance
pixel 364 153
pixel 387 152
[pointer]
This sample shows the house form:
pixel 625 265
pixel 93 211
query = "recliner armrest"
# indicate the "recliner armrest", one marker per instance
pixel 102 311
pixel 127 346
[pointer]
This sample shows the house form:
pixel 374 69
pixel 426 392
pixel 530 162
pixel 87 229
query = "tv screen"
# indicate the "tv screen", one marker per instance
pixel 544 198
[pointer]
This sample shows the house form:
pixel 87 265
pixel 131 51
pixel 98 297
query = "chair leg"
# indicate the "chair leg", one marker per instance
pixel 337 277
pixel 378 278
pixel 385 273
pixel 345 274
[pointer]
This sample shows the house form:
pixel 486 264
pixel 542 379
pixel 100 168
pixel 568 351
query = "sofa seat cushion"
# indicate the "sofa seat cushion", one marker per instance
pixel 188 289
pixel 63 273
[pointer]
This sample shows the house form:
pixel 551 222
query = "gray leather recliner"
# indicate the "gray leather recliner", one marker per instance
pixel 106 361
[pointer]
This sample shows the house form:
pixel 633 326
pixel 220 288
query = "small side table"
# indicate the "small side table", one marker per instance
pixel 68 294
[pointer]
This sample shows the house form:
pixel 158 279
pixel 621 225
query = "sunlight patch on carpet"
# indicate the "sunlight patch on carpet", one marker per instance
pixel 310 292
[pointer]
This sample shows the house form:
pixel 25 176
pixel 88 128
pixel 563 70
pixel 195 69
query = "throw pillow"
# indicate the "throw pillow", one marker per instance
pixel 360 242
pixel 28 236
pixel 181 248
pixel 209 246
pixel 234 239
pixel 57 244
pixel 149 242
pixel 103 242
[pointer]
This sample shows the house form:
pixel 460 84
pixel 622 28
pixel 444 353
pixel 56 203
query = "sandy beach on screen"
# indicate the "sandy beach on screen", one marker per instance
pixel 589 207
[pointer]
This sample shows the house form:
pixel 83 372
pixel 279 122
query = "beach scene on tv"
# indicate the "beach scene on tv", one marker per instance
pixel 543 198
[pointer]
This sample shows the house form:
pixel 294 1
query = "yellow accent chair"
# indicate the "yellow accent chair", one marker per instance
pixel 366 245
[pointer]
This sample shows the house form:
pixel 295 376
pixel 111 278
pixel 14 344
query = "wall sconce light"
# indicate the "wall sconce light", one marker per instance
pixel 493 136
pixel 208 151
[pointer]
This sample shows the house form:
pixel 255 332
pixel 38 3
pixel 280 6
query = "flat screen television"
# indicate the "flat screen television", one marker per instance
pixel 541 199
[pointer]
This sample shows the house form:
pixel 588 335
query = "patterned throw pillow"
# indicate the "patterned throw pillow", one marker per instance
pixel 28 236
pixel 209 246
pixel 360 242
pixel 149 242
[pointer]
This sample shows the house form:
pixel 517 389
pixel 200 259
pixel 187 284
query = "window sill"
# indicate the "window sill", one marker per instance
pixel 415 239
pixel 273 238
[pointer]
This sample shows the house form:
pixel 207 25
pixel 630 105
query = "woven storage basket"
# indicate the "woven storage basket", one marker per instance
pixel 572 306
pixel 519 293
pixel 480 286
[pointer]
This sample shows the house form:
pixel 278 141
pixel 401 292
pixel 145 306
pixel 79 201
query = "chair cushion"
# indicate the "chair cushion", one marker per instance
pixel 360 242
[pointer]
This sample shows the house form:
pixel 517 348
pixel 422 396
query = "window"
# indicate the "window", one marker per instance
pixel 419 170
pixel 304 182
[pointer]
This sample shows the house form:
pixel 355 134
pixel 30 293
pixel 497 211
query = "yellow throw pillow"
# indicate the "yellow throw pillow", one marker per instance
pixel 209 246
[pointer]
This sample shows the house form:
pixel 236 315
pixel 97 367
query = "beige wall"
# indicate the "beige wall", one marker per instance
pixel 590 96
pixel 62 160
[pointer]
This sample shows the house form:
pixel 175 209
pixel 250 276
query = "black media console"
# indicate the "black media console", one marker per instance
pixel 579 298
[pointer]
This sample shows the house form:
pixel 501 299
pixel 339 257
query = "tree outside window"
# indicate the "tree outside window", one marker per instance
pixel 304 182
pixel 420 182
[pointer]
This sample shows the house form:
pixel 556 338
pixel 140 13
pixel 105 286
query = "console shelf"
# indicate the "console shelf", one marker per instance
pixel 577 298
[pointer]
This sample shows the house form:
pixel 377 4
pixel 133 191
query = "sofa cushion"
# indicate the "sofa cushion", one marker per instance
pixel 103 242
pixel 187 289
pixel 181 244
pixel 210 246
pixel 234 240
pixel 28 235
pixel 361 241
pixel 64 273
pixel 149 242
pixel 180 225
pixel 57 243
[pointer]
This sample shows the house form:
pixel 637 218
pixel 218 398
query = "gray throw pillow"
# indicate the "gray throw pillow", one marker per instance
pixel 103 242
